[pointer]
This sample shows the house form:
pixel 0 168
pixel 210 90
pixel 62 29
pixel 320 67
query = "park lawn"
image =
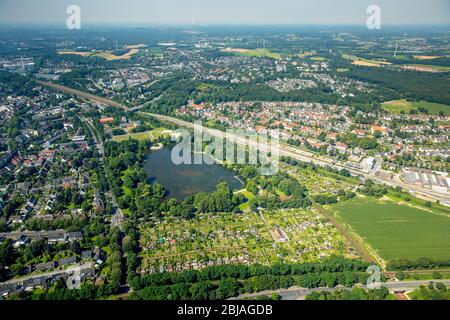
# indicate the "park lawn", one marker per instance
pixel 397 106
pixel 141 136
pixel 395 230
pixel 158 132
pixel 249 196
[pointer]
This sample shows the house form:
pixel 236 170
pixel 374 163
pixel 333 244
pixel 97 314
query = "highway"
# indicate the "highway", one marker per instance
pixel 82 94
pixel 297 293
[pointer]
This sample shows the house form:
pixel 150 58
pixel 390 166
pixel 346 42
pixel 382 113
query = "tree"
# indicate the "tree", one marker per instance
pixel 227 288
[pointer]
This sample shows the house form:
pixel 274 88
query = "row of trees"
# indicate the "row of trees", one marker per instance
pixel 372 189
pixel 421 263
pixel 223 282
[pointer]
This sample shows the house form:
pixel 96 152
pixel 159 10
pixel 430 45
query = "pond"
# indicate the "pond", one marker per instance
pixel 187 179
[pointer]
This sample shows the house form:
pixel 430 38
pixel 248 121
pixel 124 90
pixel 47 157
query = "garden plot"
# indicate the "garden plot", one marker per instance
pixel 250 238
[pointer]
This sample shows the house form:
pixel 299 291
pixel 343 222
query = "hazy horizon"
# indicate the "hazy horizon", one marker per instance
pixel 231 12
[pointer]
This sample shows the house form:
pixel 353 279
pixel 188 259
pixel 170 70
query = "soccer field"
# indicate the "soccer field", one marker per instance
pixel 395 230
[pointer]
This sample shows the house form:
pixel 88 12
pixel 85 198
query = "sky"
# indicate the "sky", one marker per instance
pixel 247 12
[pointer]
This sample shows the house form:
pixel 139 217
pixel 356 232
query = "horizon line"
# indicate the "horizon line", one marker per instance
pixel 225 24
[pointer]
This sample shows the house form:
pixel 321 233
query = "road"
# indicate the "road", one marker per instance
pixel 137 108
pixel 118 217
pixel 71 269
pixel 296 293
pixel 305 156
pixel 15 235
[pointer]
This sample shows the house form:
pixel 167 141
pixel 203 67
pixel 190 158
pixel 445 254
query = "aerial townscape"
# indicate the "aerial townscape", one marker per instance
pixel 93 207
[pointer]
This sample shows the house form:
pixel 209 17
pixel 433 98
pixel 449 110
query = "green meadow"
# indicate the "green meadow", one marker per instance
pixel 398 106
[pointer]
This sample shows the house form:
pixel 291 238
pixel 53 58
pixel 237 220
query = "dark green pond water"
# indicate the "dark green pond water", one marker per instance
pixel 187 179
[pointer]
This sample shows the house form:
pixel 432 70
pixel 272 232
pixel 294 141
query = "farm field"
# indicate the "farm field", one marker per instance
pixel 108 54
pixel 260 53
pixel 395 230
pixel 429 68
pixel 396 106
pixel 427 57
pixel 270 237
pixel 364 62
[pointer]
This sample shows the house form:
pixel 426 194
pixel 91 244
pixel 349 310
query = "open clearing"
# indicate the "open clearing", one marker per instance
pixel 397 106
pixel 396 231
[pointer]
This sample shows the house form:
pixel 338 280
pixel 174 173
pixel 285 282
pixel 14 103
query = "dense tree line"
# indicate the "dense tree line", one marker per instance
pixel 413 85
pixel 16 84
pixel 372 189
pixel 438 291
pixel 421 263
pixel 354 294
pixel 222 282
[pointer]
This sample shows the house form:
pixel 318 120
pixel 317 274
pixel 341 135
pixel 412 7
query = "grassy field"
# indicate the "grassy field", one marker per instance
pixel 364 62
pixel 248 195
pixel 395 230
pixel 318 59
pixel 260 53
pixel 427 57
pixel 425 67
pixel 146 135
pixel 307 54
pixel 397 106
